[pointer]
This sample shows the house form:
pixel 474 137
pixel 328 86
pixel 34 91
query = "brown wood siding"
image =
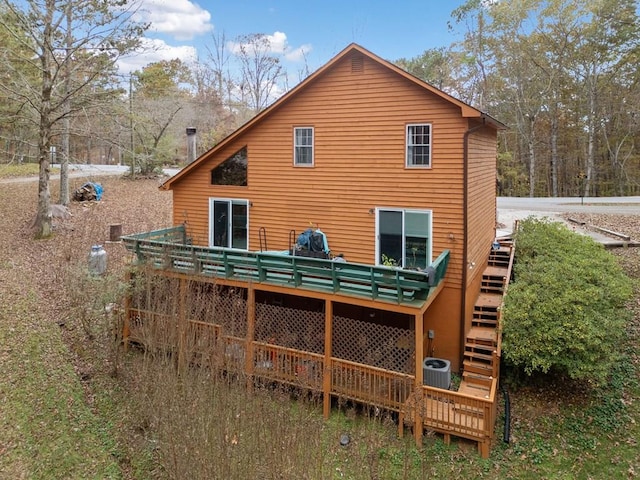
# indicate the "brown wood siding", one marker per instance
pixel 359 124
pixel 481 209
pixel 445 323
pixel 359 118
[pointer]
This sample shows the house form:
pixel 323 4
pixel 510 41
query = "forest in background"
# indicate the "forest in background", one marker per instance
pixel 561 74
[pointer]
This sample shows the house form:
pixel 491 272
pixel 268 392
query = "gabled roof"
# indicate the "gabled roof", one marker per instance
pixel 466 110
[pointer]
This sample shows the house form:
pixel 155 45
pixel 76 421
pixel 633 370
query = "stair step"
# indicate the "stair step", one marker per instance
pixel 477 356
pixel 499 261
pixel 489 288
pixel 473 390
pixel 496 263
pixel 483 320
pixel 485 369
pixel 482 367
pixel 493 284
pixel 503 252
pixel 484 323
pixel 488 280
pixel 489 300
pixel 478 348
pixel 477 380
pixel 495 272
pixel 485 314
pixel 484 335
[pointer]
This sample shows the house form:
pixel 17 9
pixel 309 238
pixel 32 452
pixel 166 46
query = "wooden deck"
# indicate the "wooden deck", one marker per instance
pixel 452 413
pixel 469 412
pixel 170 250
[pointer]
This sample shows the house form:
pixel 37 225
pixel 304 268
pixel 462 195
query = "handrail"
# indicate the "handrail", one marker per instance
pixel 512 248
pixel 369 384
pixel 170 250
pixel 439 409
pixel 465 415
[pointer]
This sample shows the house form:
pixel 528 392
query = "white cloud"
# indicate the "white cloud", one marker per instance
pixel 181 19
pixel 155 50
pixel 299 54
pixel 277 45
pixel 278 42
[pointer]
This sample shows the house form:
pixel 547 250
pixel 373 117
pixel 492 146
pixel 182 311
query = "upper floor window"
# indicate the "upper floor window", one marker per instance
pixel 233 171
pixel 303 146
pixel 419 145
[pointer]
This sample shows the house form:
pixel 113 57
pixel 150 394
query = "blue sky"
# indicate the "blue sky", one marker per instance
pixel 319 29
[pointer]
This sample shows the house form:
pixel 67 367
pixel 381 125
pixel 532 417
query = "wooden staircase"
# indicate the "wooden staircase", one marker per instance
pixel 481 350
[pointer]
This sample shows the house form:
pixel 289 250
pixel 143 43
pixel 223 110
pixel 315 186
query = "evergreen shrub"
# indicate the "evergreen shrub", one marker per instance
pixel 565 310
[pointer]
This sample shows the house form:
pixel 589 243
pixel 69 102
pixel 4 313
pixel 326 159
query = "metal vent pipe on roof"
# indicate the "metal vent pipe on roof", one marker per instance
pixel 191 144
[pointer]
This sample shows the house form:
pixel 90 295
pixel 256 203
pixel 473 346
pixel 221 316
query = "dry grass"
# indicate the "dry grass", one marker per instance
pixel 49 424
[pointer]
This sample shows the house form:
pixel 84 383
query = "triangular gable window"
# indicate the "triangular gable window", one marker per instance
pixel 233 171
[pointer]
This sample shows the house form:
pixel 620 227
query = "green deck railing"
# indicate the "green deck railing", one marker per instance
pixel 170 249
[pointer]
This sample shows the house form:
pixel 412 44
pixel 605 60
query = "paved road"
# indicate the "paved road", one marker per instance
pixel 511 209
pixel 621 205
pixel 88 171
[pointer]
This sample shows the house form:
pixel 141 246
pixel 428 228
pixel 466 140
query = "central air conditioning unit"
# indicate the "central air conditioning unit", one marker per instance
pixel 436 372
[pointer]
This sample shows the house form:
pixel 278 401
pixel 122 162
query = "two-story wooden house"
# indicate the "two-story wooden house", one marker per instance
pixel 391 183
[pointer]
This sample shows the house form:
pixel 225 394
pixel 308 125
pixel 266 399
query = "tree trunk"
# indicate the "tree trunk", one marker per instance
pixel 532 157
pixel 532 167
pixel 554 152
pixel 64 161
pixel 43 215
pixel 591 131
pixel 66 121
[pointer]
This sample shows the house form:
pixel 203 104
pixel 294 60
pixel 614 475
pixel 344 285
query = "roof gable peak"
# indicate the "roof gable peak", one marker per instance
pixel 466 110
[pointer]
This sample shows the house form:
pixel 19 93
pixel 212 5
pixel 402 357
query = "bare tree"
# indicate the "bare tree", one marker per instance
pixel 261 70
pixel 101 32
pixel 218 58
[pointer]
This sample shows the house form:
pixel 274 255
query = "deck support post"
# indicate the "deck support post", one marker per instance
pixel 182 325
pixel 419 404
pixel 326 374
pixel 484 448
pixel 251 327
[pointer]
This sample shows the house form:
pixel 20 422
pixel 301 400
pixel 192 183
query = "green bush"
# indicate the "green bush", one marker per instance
pixel 565 311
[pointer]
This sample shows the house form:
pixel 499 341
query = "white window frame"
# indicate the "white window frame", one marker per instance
pixel 296 161
pixel 212 221
pixel 409 136
pixel 404 211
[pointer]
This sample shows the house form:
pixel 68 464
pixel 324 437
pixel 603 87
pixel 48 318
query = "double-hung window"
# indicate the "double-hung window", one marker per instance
pixel 228 223
pixel 418 145
pixel 403 237
pixel 303 146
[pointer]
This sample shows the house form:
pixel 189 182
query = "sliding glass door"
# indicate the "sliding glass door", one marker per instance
pixel 403 238
pixel 228 223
